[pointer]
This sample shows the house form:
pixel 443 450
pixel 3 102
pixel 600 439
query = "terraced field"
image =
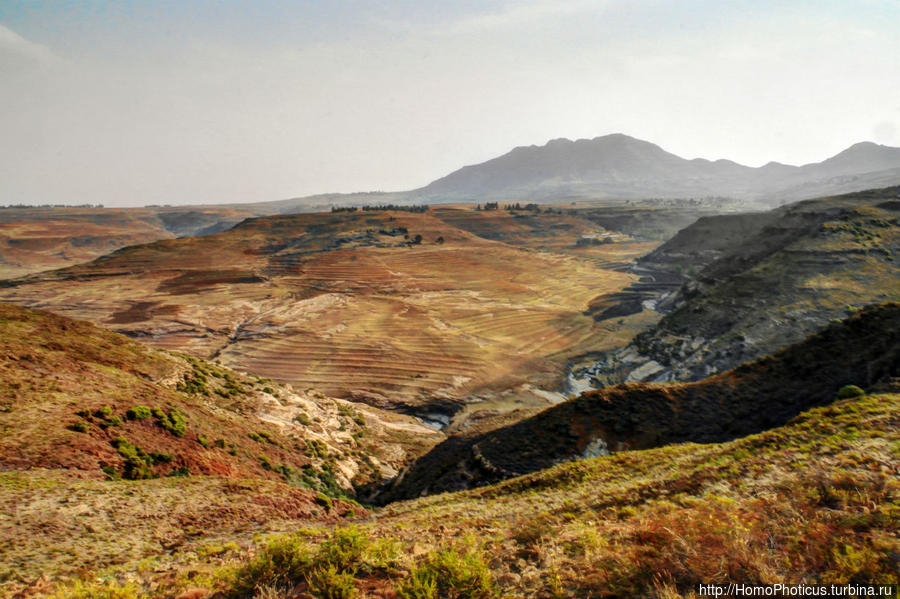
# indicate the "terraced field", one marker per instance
pixel 350 304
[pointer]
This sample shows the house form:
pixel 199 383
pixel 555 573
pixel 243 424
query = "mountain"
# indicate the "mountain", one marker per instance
pixel 863 350
pixel 618 166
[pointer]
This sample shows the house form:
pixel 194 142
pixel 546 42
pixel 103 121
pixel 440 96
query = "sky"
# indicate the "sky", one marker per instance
pixel 202 101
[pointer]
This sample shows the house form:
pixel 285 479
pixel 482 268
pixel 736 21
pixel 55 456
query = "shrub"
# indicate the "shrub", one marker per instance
pixel 450 574
pixel 194 385
pixel 159 457
pixel 303 419
pixel 329 582
pixel 324 501
pixel 104 412
pixel 137 461
pixel 283 562
pixel 344 550
pixel 138 413
pixel 180 471
pixel 848 391
pixel 79 427
pixel 173 422
pixel 94 590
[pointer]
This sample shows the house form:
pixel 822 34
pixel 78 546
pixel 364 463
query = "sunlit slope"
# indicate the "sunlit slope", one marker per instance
pixel 346 303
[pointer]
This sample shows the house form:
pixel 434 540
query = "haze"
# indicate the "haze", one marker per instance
pixel 138 103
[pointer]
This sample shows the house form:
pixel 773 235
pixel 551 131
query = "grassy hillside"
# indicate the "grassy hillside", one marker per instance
pixel 102 434
pixel 863 350
pixel 816 501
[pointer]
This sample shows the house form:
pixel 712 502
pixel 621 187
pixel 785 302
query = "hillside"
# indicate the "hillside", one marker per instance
pixel 862 350
pixel 36 239
pixel 748 285
pixel 100 406
pixel 396 309
pixel 619 166
pixel 813 502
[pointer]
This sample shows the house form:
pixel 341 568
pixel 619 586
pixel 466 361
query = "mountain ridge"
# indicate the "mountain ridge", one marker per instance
pixel 621 166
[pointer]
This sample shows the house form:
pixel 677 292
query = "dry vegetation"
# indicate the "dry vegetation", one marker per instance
pixel 815 501
pixel 103 436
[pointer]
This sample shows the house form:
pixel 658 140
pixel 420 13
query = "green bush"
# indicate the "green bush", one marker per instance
pixel 286 561
pixel 138 413
pixel 173 422
pixel 345 549
pixel 104 412
pixel 329 582
pixel 137 461
pixel 283 562
pixel 98 590
pixel 110 472
pixel 848 391
pixel 180 471
pixel 79 427
pixel 159 457
pixel 324 500
pixel 450 574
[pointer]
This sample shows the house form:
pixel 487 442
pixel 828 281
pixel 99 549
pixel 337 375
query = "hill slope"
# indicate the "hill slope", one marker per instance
pixel 99 405
pixel 862 350
pixel 756 283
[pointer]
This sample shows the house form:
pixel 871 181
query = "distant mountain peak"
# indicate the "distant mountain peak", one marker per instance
pixel 620 166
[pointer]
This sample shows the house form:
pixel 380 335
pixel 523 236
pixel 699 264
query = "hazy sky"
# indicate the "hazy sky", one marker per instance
pixel 132 103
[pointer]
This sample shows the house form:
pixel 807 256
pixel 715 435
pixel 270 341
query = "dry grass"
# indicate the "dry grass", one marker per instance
pixel 816 501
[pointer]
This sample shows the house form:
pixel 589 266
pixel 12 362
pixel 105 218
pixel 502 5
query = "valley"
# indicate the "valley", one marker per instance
pixel 623 523
pixel 462 399
pixel 401 310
